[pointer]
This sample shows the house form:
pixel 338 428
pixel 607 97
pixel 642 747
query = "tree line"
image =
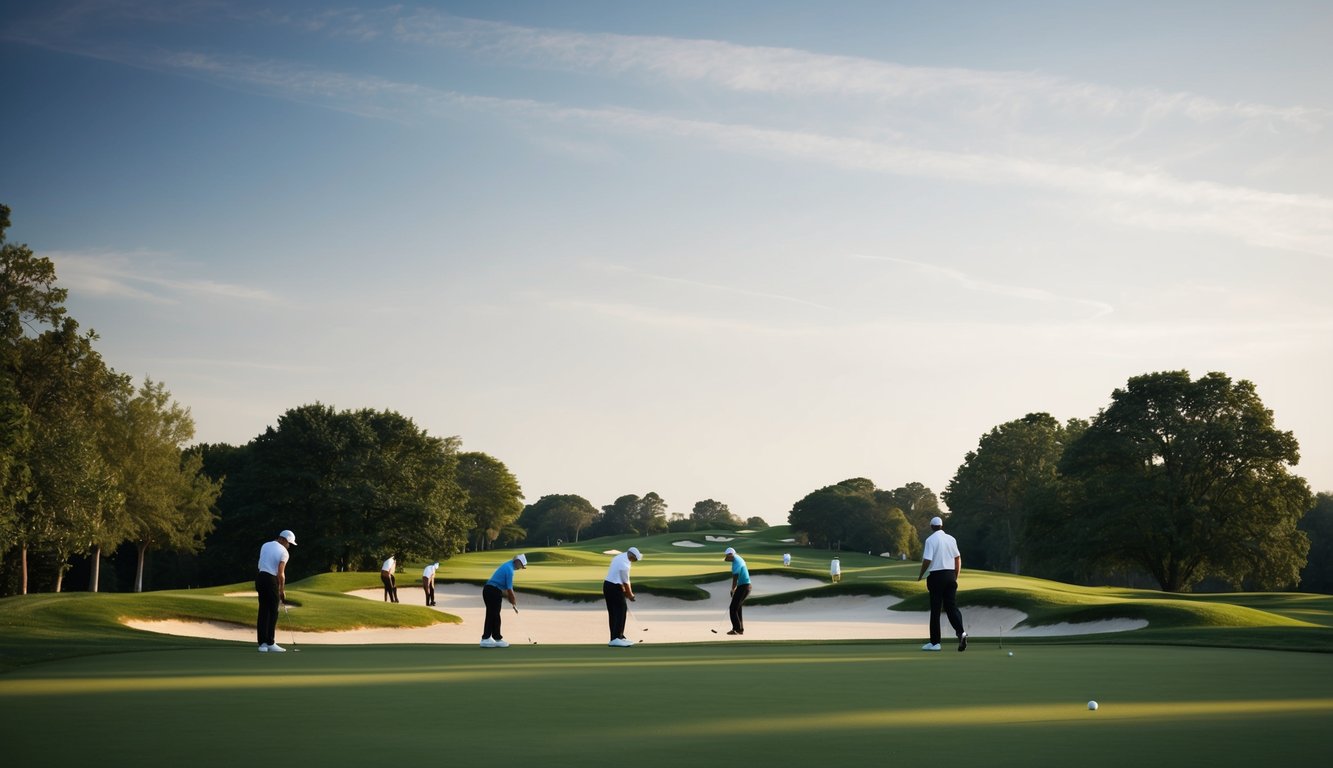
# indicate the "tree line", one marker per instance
pixel 1179 482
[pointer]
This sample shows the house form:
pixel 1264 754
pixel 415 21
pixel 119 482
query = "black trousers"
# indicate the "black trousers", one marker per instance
pixel 266 584
pixel 493 598
pixel 390 586
pixel 943 586
pixel 428 586
pixel 616 608
pixel 737 599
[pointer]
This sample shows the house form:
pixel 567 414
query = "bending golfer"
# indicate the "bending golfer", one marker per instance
pixel 740 589
pixel 499 587
pixel 271 585
pixel 428 582
pixel 943 561
pixel 616 589
pixel 386 576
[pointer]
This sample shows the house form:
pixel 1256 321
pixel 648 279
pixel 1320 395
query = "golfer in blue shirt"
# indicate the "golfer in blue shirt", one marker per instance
pixel 499 587
pixel 740 589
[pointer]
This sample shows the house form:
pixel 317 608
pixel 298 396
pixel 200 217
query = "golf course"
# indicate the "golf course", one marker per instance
pixel 1200 679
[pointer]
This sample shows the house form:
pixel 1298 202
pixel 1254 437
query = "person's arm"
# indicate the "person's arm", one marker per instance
pixel 627 589
pixel 924 565
pixel 957 566
pixel 282 581
pixel 510 594
pixel 734 579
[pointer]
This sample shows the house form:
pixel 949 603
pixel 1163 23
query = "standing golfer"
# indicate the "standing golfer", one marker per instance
pixel 941 559
pixel 499 587
pixel 616 589
pixel 740 589
pixel 271 585
pixel 386 576
pixel 428 582
pixel 835 571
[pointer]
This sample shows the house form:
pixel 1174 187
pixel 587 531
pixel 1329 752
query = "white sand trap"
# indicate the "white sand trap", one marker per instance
pixel 789 541
pixel 610 551
pixel 719 538
pixel 686 544
pixel 666 620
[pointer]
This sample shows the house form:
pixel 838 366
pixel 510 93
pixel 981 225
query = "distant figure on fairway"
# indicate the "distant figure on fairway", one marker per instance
pixel 740 589
pixel 835 571
pixel 499 587
pixel 786 558
pixel 428 582
pixel 271 585
pixel 942 560
pixel 616 589
pixel 386 576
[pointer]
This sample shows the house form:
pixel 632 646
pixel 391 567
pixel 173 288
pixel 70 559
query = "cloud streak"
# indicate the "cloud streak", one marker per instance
pixel 123 276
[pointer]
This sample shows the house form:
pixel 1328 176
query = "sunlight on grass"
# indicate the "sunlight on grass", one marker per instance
pixel 1022 714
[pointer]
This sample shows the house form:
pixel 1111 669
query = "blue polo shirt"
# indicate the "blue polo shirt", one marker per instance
pixel 503 578
pixel 739 570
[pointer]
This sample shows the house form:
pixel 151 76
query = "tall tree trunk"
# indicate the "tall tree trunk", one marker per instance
pixel 138 570
pixel 24 565
pixel 96 569
pixel 60 579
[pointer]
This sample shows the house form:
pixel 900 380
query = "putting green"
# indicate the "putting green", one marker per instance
pixel 703 705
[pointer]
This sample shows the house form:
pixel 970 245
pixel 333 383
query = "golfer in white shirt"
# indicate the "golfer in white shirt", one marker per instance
pixel 942 560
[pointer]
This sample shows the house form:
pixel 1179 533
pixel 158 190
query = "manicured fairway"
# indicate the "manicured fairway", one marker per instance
pixel 703 705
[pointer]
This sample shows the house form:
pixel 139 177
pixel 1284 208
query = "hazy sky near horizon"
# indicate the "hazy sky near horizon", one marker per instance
pixel 735 250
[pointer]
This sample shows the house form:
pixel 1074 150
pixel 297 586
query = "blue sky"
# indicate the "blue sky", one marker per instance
pixel 715 250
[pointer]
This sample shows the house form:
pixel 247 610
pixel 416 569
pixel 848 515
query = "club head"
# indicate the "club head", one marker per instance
pixel 714 631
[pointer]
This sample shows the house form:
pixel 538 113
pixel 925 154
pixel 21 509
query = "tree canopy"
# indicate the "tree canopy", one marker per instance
pixel 853 515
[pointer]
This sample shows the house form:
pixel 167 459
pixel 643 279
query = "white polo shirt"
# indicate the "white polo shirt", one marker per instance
pixel 940 549
pixel 272 555
pixel 389 565
pixel 429 571
pixel 619 571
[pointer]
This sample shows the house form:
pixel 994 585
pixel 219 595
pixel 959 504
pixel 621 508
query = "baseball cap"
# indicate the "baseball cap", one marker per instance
pixel 730 551
pixel 637 554
pixel 289 536
pixel 937 521
pixel 522 559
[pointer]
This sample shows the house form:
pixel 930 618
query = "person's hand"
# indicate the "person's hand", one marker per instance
pixel 631 598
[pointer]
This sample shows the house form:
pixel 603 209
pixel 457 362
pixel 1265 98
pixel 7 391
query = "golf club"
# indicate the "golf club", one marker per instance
pixel 642 628
pixel 288 613
pixel 530 640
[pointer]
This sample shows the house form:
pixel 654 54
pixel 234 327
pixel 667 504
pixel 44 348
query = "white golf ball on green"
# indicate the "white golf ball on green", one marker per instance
pixel 1092 705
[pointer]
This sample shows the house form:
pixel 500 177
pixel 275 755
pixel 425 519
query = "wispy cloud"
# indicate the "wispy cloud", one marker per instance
pixel 717 288
pixel 132 276
pixel 1095 309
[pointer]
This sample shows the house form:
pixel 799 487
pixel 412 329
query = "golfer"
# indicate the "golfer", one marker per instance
pixel 941 559
pixel 499 587
pixel 428 582
pixel 271 585
pixel 617 589
pixel 740 589
pixel 835 571
pixel 386 576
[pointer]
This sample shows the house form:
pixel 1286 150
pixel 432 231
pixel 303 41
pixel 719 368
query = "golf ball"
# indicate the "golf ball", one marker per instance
pixel 1011 653
pixel 1092 705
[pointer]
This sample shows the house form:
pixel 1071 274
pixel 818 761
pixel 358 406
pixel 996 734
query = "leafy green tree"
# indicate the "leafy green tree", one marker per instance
pixel 994 492
pixel 354 485
pixel 619 517
pixel 168 499
pixel 854 515
pixel 557 517
pixel 1317 576
pixel 494 498
pixel 756 523
pixel 1185 480
pixel 650 516
pixel 713 514
pixel 918 504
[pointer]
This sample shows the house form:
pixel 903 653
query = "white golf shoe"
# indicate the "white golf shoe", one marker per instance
pixel 930 647
pixel 263 648
pixel 501 643
pixel 486 642
pixel 275 648
pixel 620 642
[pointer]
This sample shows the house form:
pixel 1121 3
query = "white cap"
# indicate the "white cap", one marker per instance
pixel 637 554
pixel 289 536
pixel 522 559
pixel 935 521
pixel 730 551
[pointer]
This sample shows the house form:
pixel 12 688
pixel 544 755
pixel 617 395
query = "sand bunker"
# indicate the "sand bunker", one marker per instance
pixel 656 620
pixel 686 544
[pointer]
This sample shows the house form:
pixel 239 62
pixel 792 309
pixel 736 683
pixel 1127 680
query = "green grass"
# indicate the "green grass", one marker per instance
pixel 704 705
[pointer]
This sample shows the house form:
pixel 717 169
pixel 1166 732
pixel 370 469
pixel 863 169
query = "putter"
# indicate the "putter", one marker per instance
pixel 288 613
pixel 634 616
